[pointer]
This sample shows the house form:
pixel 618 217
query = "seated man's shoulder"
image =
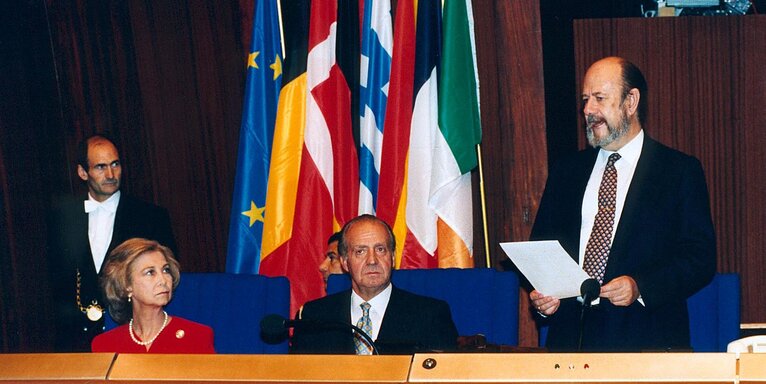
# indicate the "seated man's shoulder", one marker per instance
pixel 331 298
pixel 324 304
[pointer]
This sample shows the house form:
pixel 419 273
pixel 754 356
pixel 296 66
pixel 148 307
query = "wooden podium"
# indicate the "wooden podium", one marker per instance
pixel 574 368
pixel 261 368
pixel 752 368
pixel 55 367
pixel 705 368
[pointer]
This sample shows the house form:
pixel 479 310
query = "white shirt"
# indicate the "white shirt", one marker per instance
pixel 626 166
pixel 378 305
pixel 101 225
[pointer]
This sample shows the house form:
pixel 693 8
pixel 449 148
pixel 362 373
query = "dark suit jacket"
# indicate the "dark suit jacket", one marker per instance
pixel 664 240
pixel 411 323
pixel 69 251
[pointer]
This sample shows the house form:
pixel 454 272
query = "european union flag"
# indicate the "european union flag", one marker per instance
pixel 264 70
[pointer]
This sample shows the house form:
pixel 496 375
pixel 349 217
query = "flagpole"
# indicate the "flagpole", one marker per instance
pixel 483 205
pixel 281 29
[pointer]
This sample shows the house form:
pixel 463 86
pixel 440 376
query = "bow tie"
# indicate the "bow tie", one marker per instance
pixel 91 206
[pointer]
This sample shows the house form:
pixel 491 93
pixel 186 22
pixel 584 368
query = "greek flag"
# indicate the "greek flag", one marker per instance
pixel 375 71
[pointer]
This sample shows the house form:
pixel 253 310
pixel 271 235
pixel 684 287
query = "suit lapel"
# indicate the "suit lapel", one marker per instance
pixel 119 223
pixel 89 286
pixel 639 193
pixel 344 315
pixel 579 184
pixel 391 319
pixel 80 239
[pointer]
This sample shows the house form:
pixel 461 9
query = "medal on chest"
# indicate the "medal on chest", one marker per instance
pixel 94 311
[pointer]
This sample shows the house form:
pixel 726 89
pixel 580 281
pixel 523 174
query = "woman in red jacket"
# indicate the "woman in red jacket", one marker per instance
pixel 138 281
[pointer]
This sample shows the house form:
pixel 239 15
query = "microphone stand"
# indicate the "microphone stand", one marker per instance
pixel 269 322
pixel 366 338
pixel 588 289
pixel 336 325
pixel 582 325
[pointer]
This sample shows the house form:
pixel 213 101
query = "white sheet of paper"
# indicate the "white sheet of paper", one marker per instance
pixel 547 266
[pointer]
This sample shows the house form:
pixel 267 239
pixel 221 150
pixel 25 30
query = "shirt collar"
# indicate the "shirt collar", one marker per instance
pixel 379 302
pixel 629 153
pixel 110 204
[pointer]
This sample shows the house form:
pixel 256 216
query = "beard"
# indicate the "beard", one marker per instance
pixel 615 132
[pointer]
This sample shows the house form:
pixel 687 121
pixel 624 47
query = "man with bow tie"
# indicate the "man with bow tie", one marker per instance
pixel 83 232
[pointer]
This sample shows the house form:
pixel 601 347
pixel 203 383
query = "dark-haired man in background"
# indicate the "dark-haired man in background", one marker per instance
pixel 331 264
pixel 398 321
pixel 635 214
pixel 82 233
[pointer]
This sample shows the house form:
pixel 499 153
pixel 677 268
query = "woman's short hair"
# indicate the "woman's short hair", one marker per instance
pixel 116 274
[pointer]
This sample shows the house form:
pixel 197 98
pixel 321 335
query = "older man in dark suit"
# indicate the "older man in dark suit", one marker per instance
pixel 635 214
pixel 398 321
pixel 83 232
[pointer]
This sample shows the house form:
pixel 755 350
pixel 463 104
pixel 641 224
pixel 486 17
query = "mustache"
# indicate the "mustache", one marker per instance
pixel 591 120
pixel 372 268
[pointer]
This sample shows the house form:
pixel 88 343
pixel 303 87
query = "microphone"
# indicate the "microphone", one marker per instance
pixel 274 327
pixel 589 289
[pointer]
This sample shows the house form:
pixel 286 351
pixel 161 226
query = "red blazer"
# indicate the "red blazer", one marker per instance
pixel 179 336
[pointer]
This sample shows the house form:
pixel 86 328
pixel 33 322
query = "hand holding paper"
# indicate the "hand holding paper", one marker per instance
pixel 547 266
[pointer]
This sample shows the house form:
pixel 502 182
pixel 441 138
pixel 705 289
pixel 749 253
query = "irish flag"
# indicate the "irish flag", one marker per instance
pixel 429 142
pixel 459 133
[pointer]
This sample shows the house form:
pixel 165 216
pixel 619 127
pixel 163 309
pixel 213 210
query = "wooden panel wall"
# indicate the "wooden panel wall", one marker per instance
pixel 509 50
pixel 706 90
pixel 165 79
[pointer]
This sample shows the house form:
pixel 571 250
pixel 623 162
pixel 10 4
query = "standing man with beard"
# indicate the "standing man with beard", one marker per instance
pixel 83 230
pixel 635 214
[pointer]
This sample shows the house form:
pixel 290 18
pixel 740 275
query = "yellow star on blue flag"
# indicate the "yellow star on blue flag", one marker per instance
pixel 276 66
pixel 255 213
pixel 251 60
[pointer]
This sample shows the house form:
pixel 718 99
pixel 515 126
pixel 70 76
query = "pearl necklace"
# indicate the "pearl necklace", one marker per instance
pixel 147 342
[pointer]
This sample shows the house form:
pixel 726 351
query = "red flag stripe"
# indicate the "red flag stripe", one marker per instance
pixel 398 114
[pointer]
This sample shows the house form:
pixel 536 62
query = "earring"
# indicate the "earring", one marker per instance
pixel 130 295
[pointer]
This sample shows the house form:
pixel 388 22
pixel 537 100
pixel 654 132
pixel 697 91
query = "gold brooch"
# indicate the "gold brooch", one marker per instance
pixel 180 334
